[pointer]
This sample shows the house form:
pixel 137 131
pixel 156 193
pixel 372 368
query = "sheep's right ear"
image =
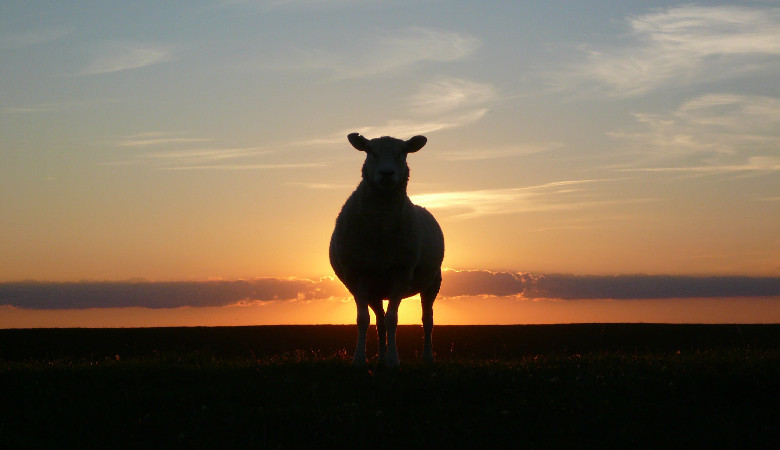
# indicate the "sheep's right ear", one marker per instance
pixel 415 143
pixel 358 141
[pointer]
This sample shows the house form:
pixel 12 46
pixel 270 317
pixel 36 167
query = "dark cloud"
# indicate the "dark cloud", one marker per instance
pixel 619 287
pixel 44 295
pixel 120 294
pixel 482 282
pixel 628 287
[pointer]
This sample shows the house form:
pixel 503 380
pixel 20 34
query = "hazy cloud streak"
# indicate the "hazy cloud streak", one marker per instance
pixel 401 128
pixel 159 140
pixel 249 166
pixel 120 56
pixel 726 132
pixel 33 37
pixel 544 197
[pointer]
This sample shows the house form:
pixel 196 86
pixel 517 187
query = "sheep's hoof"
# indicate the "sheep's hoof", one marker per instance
pixel 359 363
pixel 428 358
pixel 391 363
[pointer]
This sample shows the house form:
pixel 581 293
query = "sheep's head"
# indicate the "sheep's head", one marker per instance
pixel 385 166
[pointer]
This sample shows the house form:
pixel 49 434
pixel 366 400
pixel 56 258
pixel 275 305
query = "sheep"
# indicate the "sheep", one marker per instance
pixel 384 247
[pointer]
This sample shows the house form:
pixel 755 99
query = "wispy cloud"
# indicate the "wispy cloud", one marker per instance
pixel 201 155
pixel 559 195
pixel 439 105
pixel 447 94
pixel 174 152
pixel 684 45
pixel 408 47
pixel 112 57
pixel 714 133
pixel 383 55
pixel 509 151
pixel 157 138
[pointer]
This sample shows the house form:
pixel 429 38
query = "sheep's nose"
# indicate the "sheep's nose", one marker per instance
pixel 387 173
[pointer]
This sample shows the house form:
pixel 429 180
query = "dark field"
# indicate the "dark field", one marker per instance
pixel 556 386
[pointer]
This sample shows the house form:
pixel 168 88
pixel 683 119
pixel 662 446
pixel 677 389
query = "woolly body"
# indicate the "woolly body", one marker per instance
pixel 386 248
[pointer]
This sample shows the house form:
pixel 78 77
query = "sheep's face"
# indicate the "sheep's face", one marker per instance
pixel 385 166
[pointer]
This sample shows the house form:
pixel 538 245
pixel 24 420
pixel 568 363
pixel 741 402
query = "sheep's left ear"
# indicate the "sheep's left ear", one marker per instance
pixel 358 141
pixel 415 143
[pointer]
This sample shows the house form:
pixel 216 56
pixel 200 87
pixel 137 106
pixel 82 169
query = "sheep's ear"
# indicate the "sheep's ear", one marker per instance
pixel 415 143
pixel 358 141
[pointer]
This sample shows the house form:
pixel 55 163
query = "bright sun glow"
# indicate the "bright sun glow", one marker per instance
pixel 410 311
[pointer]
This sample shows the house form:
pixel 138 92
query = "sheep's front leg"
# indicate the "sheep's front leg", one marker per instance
pixel 391 323
pixel 363 319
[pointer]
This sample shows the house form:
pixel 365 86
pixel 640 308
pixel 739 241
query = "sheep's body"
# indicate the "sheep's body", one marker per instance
pixel 386 248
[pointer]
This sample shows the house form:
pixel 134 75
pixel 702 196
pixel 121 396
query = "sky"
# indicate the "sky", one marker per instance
pixel 625 152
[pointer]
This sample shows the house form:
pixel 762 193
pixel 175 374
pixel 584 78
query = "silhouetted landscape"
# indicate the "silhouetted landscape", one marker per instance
pixel 541 386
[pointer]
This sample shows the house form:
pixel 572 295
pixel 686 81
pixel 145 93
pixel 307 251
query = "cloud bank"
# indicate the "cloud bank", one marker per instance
pixel 174 294
pixel 467 283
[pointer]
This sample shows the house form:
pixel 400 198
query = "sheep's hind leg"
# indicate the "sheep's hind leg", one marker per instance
pixel 363 319
pixel 391 322
pixel 427 320
pixel 381 331
pixel 427 298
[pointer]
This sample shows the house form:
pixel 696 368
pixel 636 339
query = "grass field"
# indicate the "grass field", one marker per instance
pixel 552 386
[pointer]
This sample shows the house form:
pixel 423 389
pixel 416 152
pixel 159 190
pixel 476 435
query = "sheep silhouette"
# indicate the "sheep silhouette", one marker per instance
pixel 384 247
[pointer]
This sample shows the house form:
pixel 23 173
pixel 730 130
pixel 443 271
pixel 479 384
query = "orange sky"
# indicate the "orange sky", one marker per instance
pixel 191 144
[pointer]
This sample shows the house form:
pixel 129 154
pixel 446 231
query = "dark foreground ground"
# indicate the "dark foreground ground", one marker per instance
pixel 557 386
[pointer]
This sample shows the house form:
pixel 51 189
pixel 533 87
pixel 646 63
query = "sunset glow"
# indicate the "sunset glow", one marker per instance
pixel 598 161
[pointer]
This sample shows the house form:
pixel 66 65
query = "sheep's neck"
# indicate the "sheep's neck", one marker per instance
pixel 377 202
